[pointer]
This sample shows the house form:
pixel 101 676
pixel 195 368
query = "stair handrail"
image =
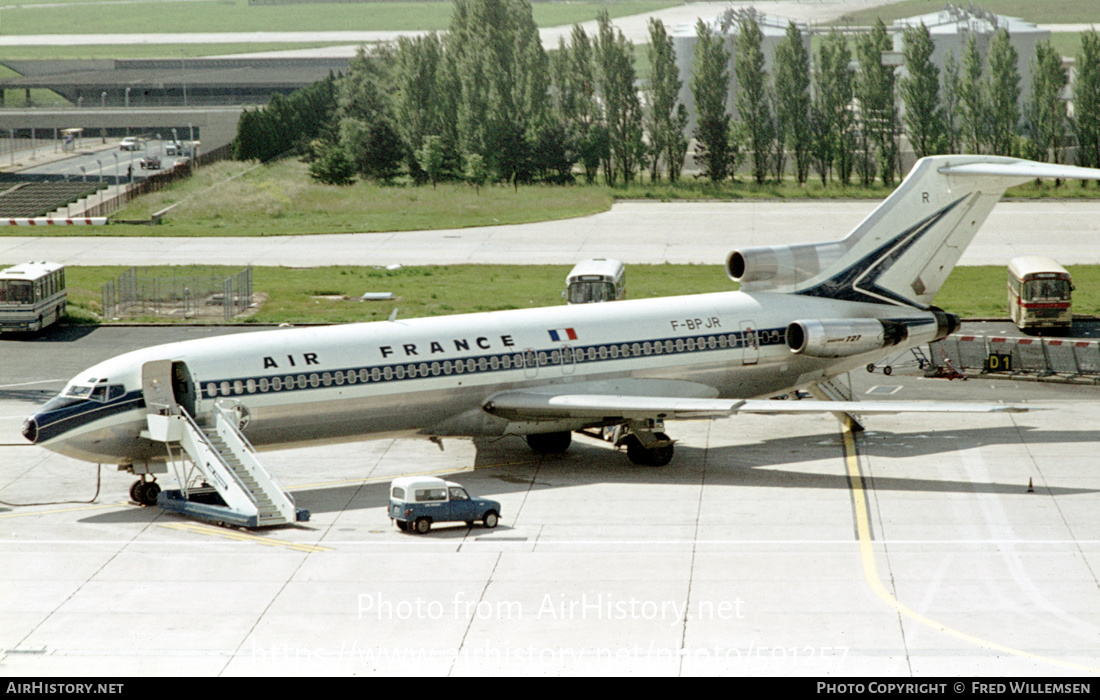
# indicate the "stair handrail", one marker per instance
pixel 197 431
pixel 229 415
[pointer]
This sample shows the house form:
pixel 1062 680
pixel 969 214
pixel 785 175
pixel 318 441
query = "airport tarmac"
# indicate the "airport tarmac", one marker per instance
pixel 770 545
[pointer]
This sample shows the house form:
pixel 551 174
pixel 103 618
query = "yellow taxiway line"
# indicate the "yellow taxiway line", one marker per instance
pixel 243 537
pixel 870 570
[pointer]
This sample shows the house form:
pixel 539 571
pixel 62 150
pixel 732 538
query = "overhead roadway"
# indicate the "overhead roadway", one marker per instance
pixel 156 82
pixel 214 126
pixel 201 98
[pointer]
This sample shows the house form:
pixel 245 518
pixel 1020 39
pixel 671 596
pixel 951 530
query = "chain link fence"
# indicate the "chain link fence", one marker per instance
pixel 208 296
pixel 1054 358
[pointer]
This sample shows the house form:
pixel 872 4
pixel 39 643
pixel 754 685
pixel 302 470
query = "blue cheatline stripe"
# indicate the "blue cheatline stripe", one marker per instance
pixel 487 364
pixel 76 415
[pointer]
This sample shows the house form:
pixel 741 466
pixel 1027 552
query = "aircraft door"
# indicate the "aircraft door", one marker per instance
pixel 750 343
pixel 184 388
pixel 156 386
pixel 166 384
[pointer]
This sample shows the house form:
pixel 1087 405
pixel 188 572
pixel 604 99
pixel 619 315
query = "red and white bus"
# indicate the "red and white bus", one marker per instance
pixel 1039 293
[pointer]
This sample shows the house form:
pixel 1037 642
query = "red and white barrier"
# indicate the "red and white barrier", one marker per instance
pixel 1045 356
pixel 44 221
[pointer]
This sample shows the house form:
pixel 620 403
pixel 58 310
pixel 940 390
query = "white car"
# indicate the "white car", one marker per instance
pixel 129 144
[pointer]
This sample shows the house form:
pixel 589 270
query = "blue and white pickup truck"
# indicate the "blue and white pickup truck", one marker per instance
pixel 416 502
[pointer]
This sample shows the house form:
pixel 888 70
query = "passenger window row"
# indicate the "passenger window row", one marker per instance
pixel 542 358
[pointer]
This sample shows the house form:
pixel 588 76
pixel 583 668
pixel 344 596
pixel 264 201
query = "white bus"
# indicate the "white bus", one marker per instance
pixel 32 296
pixel 1039 293
pixel 598 279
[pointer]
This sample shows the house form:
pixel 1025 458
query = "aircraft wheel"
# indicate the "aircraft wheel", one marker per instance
pixel 634 450
pixel 887 370
pixel 135 491
pixel 421 526
pixel 660 456
pixel 651 457
pixel 871 368
pixel 491 519
pixel 149 492
pixel 550 443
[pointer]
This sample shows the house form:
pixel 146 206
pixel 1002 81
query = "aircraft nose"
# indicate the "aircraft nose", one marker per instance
pixel 30 429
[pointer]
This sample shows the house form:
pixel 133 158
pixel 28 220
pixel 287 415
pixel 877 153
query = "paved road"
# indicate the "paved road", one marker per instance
pixel 635 232
pixel 104 164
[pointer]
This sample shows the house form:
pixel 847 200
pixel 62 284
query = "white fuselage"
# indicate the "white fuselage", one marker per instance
pixel 432 376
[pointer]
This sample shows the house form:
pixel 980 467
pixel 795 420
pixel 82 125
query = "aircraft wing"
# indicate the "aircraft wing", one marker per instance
pixel 535 406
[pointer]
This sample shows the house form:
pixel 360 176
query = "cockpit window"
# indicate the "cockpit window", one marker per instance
pixel 78 392
pixel 100 392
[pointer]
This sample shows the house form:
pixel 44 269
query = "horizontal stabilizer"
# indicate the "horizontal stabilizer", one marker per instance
pixel 1023 168
pixel 532 406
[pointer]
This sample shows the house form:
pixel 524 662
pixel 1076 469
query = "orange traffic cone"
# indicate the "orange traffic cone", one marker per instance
pixel 1030 486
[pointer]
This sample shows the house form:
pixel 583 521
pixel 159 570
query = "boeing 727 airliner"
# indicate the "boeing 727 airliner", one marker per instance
pixel 803 314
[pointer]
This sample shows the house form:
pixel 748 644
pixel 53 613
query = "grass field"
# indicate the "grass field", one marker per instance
pixel 238 16
pixel 280 199
pixel 312 295
pixel 316 295
pixel 123 51
pixel 1038 11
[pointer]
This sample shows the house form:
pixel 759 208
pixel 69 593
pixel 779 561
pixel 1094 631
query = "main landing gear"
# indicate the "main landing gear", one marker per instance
pixel 144 492
pixel 648 449
pixel 646 444
pixel 550 443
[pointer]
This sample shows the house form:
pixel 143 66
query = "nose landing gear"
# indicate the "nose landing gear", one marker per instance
pixel 144 492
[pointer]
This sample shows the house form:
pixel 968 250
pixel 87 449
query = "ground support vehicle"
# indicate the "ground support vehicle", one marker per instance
pixel 418 502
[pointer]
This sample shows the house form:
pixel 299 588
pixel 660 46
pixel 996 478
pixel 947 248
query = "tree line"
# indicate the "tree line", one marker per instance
pixel 484 102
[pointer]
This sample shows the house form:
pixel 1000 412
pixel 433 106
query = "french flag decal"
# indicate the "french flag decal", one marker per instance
pixel 562 334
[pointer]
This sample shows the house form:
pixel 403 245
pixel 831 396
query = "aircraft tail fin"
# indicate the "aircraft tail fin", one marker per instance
pixel 904 250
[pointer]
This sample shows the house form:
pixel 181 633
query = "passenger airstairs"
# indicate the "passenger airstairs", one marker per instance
pixel 220 475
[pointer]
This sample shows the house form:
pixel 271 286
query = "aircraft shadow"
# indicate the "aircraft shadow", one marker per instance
pixel 54 334
pixel 508 466
pixel 768 463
